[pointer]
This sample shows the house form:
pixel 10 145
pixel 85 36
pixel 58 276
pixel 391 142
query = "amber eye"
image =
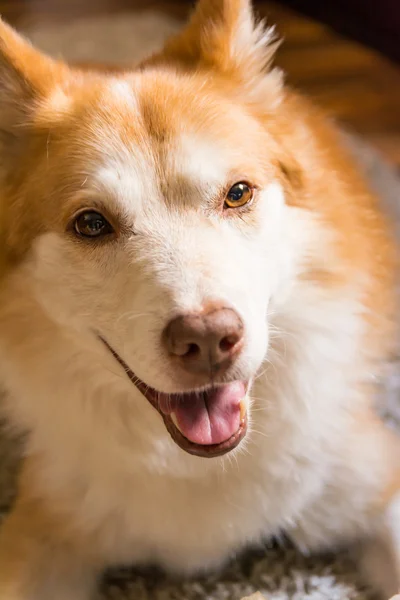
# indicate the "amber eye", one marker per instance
pixel 239 195
pixel 91 224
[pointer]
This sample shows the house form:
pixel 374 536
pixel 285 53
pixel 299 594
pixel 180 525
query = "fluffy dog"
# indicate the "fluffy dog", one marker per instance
pixel 197 290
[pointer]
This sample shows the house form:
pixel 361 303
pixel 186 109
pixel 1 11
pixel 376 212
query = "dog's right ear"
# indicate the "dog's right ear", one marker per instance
pixel 224 37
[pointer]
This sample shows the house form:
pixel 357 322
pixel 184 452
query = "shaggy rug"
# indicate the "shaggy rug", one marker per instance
pixel 278 571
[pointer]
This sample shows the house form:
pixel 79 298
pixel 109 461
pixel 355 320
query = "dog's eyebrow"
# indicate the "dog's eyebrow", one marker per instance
pixel 128 178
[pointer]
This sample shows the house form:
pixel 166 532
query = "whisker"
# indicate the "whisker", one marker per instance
pixel 130 316
pixel 263 434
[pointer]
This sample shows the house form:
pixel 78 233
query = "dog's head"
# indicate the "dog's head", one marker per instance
pixel 150 208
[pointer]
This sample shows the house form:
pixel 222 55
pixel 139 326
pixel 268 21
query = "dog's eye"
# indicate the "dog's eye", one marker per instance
pixel 240 194
pixel 91 224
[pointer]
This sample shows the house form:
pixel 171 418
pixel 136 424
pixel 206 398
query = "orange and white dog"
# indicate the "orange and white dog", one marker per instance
pixel 197 289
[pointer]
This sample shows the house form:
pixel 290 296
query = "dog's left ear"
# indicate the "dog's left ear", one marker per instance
pixel 223 36
pixel 25 76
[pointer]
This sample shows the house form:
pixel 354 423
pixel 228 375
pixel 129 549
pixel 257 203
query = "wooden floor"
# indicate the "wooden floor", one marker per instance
pixel 354 83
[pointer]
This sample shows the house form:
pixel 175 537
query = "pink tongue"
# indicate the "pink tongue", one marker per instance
pixel 210 417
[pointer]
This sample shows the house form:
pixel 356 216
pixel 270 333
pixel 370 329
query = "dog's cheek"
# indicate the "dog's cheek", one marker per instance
pixel 74 285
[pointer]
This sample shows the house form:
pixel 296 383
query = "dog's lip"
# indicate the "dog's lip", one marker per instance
pixel 205 451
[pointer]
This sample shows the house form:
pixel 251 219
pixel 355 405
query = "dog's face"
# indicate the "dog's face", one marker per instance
pixel 150 209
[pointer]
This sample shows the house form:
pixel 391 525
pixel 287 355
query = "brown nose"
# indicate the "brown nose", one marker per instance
pixel 206 342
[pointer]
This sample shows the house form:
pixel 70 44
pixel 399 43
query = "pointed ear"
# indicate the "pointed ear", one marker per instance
pixel 223 36
pixel 26 76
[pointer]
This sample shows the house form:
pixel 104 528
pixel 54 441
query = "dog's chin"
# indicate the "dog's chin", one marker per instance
pixel 207 422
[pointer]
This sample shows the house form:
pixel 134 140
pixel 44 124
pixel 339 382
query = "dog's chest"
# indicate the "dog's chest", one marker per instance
pixel 194 523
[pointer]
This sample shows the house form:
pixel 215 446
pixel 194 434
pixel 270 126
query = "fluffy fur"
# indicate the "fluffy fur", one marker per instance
pixel 309 267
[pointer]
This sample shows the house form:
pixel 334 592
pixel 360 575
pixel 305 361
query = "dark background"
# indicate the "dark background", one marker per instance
pixel 374 22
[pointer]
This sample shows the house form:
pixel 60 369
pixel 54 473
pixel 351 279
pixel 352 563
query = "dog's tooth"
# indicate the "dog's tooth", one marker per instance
pixel 243 409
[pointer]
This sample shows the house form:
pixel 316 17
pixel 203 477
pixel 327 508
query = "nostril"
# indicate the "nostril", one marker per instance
pixel 228 342
pixel 192 351
pixel 184 349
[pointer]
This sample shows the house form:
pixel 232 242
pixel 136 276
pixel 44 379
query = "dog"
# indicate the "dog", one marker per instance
pixel 197 292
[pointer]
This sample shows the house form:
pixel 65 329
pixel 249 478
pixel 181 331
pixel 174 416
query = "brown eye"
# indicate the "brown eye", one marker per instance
pixel 91 224
pixel 239 195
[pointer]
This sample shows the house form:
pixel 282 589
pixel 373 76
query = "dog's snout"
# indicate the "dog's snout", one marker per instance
pixel 206 342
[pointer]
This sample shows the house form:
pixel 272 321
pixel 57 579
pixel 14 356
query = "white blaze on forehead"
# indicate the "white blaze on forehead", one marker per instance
pixel 127 173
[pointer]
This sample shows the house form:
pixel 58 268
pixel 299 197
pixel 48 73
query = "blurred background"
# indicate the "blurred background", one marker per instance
pixel 343 53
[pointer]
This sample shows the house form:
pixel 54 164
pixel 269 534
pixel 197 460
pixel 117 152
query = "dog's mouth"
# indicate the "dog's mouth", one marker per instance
pixel 206 423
